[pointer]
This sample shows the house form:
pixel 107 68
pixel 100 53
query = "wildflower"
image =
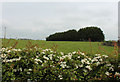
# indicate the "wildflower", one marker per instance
pixel 45 57
pixel 8 51
pixel 60 76
pixel 47 49
pixel 74 52
pixel 81 65
pixel 20 69
pixel 76 65
pixel 3 55
pixel 82 54
pixel 117 74
pixel 63 64
pixel 108 64
pixel 36 62
pixel 28 72
pixel 89 58
pixel 87 62
pixel 19 50
pixel 78 56
pixel 97 54
pixel 105 56
pixel 84 70
pixel 61 53
pixel 50 56
pixel 43 52
pixel 111 68
pixel 101 60
pixel 89 67
pixel 98 63
pixel 30 69
pixel 83 60
pixel 107 73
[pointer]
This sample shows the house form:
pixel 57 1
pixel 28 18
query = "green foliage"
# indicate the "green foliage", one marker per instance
pixel 92 33
pixel 84 34
pixel 40 65
pixel 70 35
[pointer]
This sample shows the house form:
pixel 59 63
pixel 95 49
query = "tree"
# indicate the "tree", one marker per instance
pixel 70 35
pixel 84 34
pixel 94 33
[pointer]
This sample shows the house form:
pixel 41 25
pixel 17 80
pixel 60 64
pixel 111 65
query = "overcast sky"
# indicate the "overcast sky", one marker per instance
pixel 37 20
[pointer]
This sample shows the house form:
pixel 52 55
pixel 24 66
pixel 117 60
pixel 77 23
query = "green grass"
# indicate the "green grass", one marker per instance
pixel 63 46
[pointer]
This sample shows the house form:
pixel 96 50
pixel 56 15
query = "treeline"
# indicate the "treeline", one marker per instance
pixel 83 34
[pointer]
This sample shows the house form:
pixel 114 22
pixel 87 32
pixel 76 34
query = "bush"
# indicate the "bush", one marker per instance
pixel 37 64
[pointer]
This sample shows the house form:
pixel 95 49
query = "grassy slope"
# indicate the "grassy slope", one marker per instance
pixel 64 46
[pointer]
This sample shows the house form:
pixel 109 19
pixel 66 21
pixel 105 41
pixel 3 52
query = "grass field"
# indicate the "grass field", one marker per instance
pixel 63 46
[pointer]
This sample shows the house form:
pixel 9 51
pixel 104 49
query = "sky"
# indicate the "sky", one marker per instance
pixel 37 20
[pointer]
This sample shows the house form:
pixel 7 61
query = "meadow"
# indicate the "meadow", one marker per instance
pixel 63 46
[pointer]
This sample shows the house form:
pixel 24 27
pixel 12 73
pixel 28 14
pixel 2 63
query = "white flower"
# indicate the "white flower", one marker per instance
pixel 117 74
pixel 50 56
pixel 94 60
pixel 97 54
pixel 88 67
pixel 89 58
pixel 105 56
pixel 83 54
pixel 101 60
pixel 84 70
pixel 20 69
pixel 36 56
pixel 8 51
pixel 107 73
pixel 3 55
pixel 98 63
pixel 45 57
pixel 76 65
pixel 61 58
pixel 78 56
pixel 98 57
pixel 108 64
pixel 19 50
pixel 67 66
pixel 36 62
pixel 25 69
pixel 30 69
pixel 74 52
pixel 111 68
pixel 61 53
pixel 87 62
pixel 51 51
pixel 60 76
pixel 28 72
pixel 119 66
pixel 81 65
pixel 69 56
pixel 43 52
pixel 83 60
pixel 63 64
pixel 47 49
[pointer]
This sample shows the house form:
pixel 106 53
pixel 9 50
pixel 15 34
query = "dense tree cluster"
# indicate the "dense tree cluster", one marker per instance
pixel 83 34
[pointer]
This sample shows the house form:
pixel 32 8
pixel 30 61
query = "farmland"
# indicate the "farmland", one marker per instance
pixel 63 46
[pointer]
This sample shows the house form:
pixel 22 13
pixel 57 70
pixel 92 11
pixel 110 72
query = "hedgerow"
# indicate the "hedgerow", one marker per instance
pixel 39 64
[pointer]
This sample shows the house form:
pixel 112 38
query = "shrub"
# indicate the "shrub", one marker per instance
pixel 38 64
